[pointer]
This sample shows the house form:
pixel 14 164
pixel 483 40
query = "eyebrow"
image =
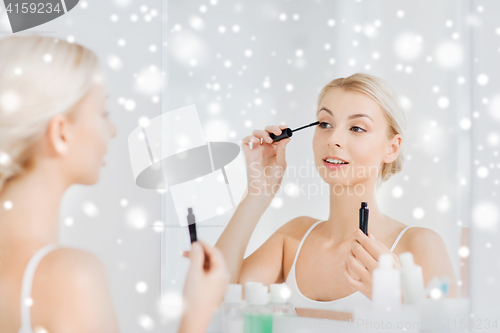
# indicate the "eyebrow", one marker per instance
pixel 352 116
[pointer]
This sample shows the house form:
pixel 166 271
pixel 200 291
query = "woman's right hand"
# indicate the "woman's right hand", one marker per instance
pixel 205 285
pixel 265 161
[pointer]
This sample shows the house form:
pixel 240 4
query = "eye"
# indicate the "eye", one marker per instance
pixel 362 130
pixel 321 124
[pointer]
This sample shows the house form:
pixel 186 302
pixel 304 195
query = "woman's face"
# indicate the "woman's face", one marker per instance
pixel 353 128
pixel 90 131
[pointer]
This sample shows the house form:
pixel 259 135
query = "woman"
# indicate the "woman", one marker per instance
pixel 361 123
pixel 54 132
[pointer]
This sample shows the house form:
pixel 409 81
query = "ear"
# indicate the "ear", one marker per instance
pixel 59 134
pixel 393 148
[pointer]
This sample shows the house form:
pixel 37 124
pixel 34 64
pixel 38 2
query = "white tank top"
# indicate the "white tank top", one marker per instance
pixel 344 304
pixel 29 272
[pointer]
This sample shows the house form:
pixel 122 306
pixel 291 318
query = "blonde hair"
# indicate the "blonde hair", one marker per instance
pixel 40 77
pixel 386 97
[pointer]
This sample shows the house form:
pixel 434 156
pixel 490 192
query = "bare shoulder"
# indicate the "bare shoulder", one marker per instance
pixel 420 238
pixel 70 266
pixel 297 227
pixel 70 289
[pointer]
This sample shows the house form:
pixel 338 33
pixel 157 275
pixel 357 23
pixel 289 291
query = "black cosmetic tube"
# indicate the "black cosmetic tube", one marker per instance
pixel 363 217
pixel 192 225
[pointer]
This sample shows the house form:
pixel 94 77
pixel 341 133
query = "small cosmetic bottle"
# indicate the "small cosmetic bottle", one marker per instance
pixel 386 288
pixel 412 280
pixel 257 316
pixel 248 286
pixel 232 309
pixel 278 304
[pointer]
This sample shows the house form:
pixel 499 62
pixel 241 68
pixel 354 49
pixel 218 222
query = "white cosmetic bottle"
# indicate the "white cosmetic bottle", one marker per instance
pixel 412 280
pixel 386 288
pixel 279 300
pixel 232 310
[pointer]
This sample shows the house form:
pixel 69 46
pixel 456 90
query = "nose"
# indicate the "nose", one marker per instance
pixel 336 138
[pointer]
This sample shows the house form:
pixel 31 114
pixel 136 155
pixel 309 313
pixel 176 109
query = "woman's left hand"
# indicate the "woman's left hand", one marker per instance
pixel 362 261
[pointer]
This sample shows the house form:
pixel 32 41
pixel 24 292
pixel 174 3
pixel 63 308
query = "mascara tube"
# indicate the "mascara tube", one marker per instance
pixel 192 225
pixel 363 217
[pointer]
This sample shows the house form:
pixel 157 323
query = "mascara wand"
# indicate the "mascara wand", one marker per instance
pixel 287 132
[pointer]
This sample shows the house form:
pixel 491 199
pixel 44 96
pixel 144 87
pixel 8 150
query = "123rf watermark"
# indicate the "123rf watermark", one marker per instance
pixel 454 324
pixel 26 14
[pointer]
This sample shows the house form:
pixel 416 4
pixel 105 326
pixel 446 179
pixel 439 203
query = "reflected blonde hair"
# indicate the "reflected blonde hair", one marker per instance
pixel 40 77
pixel 386 97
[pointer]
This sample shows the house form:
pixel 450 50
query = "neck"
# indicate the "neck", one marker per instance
pixel 345 203
pixel 34 216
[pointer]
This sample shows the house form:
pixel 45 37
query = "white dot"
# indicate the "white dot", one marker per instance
pixel 299 53
pixel 133 18
pixel 418 213
pixel 227 64
pixel 222 29
pixel 152 48
pixel 129 105
pixel 28 302
pixel 8 205
pixel 436 293
pixel 482 172
pixel 292 190
pixel 397 191
pixel 90 209
pixel 331 61
pixel 449 23
pixel 144 122
pixel 47 57
pixel 282 17
pixel 482 79
pixel 70 39
pixel 146 322
pixel 248 53
pixel 193 62
pixel 493 139
pixel 351 62
pixel 327 46
pixel 84 4
pixel 69 221
pixel 4 158
pixel 461 80
pixel 443 102
pixel 114 18
pixel 141 287
pixel 266 84
pixel 296 17
pixel 400 13
pixel 114 62
pixel 465 123
pixel 463 251
pixel 136 217
pixel 236 28
pixel 158 226
pixel 124 202
pixel 10 101
pixel 277 202
pixel 331 22
pixel 289 87
pixel 485 215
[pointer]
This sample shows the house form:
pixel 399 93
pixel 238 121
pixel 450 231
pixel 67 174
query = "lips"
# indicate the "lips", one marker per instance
pixel 333 158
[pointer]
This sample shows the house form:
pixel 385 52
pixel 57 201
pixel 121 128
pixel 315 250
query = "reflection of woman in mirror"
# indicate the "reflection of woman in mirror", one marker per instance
pixel 361 123
pixel 54 132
